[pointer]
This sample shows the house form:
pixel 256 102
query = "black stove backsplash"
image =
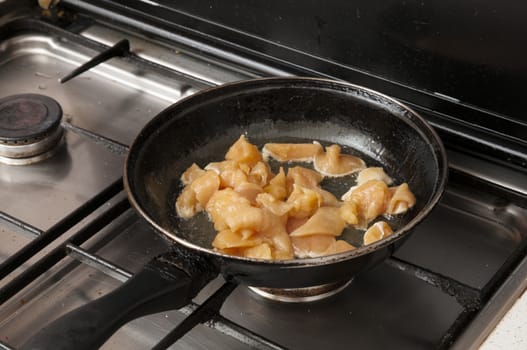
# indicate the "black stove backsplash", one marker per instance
pixel 468 50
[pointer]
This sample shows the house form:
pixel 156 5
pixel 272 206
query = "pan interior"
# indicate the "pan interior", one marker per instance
pixel 201 129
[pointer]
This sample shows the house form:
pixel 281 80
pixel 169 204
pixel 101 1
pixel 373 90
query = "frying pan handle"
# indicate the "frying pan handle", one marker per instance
pixel 154 289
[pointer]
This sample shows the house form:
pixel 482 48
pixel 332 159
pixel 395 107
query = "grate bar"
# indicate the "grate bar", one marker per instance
pixel 468 297
pixel 39 243
pixel 242 334
pixel 19 223
pixel 114 146
pixel 97 263
pixel 50 259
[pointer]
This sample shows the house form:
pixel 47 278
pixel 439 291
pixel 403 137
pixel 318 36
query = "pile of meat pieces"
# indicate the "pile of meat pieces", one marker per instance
pixel 262 215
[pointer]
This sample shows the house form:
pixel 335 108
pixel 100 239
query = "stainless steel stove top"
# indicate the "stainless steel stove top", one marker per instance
pixel 424 297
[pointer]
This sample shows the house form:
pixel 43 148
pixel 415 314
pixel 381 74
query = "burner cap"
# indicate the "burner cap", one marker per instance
pixel 302 295
pixel 27 118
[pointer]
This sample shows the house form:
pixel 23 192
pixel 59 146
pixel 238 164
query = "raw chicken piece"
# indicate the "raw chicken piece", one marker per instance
pixel 229 210
pixel 275 206
pixel 230 172
pixel 342 246
pixel 333 163
pixel 294 223
pixel 228 239
pixel 370 198
pixel 349 212
pixel 273 243
pixel 260 251
pixel 231 251
pixel 283 152
pixel 310 179
pixel 374 198
pixel 318 245
pixel 186 204
pixel 274 233
pixel 304 201
pixel 205 186
pixel 277 186
pixel 313 246
pixel 191 174
pixel 244 152
pixel 328 199
pixel 245 217
pixel 260 174
pixel 365 176
pixel 374 173
pixel 326 221
pixel 249 190
pixel 377 231
pixel 197 193
pixel 303 177
pixel 401 199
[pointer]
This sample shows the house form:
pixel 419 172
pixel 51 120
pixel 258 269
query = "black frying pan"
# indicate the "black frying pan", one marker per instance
pixel 201 128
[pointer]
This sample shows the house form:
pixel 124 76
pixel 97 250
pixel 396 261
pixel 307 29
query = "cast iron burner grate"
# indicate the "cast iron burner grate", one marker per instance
pixel 29 128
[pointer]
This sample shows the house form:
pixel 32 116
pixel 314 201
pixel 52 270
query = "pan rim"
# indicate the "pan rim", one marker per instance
pixel 417 121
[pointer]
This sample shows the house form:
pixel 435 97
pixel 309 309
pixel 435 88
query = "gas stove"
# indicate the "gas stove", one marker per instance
pixel 68 234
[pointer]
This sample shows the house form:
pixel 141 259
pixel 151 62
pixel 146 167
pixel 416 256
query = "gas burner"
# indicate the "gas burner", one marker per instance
pixel 29 128
pixel 302 295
